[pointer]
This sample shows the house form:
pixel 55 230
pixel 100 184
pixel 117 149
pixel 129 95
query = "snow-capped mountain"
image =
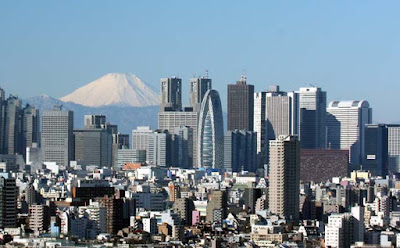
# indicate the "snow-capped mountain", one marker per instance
pixel 115 89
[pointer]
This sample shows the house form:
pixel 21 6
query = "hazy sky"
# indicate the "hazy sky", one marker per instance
pixel 349 48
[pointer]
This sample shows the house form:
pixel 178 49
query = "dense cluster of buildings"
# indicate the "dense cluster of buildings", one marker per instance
pixel 290 170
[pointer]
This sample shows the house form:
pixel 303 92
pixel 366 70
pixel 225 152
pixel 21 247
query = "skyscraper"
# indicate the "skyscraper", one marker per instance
pixel 94 121
pixel 375 155
pixel 394 147
pixel 276 113
pixel 345 127
pixel 118 141
pixel 30 126
pixel 240 105
pixel 198 88
pixel 171 120
pixel 159 148
pixel 210 138
pixel 3 104
pixel 183 147
pixel 284 177
pixel 171 94
pixel 312 103
pixel 57 136
pixel 260 127
pixel 140 137
pixel 93 147
pixel 240 151
pixel 281 114
pixel 13 126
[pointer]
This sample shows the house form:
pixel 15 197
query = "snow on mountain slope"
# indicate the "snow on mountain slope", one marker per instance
pixel 115 89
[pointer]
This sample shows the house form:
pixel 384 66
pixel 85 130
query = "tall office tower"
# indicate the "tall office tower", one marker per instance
pixel 198 88
pixel 93 147
pixel 159 148
pixel 217 206
pixel 30 126
pixel 173 119
pixel 210 138
pixel 118 140
pixel 171 94
pixel 276 113
pixel 3 104
pixel 122 140
pixel 57 136
pixel 345 123
pixel 260 126
pixel 393 147
pixel 240 105
pixel 13 126
pixel 183 147
pixel 284 177
pixel 375 155
pixel 8 201
pixel 312 103
pixel 140 138
pixel 240 151
pixel 94 121
pixel 281 114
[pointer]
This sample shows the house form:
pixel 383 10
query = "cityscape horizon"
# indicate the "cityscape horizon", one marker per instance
pixel 288 137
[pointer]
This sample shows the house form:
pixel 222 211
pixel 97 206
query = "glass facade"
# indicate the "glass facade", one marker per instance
pixel 210 148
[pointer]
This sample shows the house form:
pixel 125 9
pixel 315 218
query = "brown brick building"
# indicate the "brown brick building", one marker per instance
pixel 321 165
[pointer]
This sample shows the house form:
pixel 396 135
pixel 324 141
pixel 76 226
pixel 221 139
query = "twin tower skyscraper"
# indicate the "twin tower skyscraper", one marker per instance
pixel 203 117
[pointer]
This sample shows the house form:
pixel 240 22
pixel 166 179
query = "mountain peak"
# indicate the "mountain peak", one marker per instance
pixel 117 89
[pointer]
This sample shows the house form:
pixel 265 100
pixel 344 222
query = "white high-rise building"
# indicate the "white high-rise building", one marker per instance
pixel 275 113
pixel 159 149
pixel 394 147
pixel 345 123
pixel 171 120
pixel 140 137
pixel 259 124
pixel 57 136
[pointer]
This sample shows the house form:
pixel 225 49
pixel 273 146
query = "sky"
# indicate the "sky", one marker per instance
pixel 351 49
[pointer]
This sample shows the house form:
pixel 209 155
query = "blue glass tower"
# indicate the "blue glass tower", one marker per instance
pixel 210 147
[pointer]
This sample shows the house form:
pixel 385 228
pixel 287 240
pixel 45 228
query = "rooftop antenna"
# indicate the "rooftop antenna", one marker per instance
pixel 243 77
pixel 206 74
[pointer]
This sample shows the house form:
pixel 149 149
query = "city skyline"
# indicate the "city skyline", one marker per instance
pixel 205 124
pixel 285 45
